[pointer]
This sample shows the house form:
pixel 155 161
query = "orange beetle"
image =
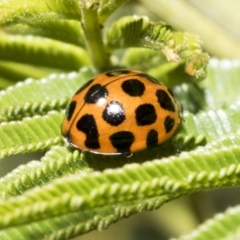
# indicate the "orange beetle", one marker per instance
pixel 121 112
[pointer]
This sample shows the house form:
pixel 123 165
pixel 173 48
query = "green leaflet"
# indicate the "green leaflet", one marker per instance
pixel 222 83
pixel 202 168
pixel 75 224
pixel 68 31
pixel 135 31
pixel 222 226
pixel 37 97
pixel 42 51
pixel 212 123
pixel 71 225
pixel 14 71
pixel 59 227
pixel 126 32
pixel 57 162
pixel 30 134
pixel 33 11
pixel 141 58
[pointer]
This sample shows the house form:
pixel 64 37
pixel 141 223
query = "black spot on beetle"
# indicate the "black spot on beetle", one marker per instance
pixel 133 87
pixel 85 85
pixel 95 92
pixel 122 141
pixel 70 110
pixel 145 114
pixel 115 73
pixel 165 101
pixel 169 124
pixel 87 125
pixel 152 138
pixel 114 113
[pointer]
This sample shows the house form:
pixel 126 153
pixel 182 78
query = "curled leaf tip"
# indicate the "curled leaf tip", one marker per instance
pixel 196 65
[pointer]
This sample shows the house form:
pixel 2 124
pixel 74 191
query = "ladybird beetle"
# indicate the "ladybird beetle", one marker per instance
pixel 121 112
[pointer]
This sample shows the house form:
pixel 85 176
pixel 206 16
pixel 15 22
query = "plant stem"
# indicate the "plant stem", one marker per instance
pixel 93 37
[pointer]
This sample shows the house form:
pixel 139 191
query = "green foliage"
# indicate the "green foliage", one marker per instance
pixel 222 226
pixel 37 97
pixel 42 51
pixel 68 192
pixel 30 134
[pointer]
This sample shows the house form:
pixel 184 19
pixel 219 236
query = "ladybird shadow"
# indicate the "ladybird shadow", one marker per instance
pixel 101 162
pixel 170 148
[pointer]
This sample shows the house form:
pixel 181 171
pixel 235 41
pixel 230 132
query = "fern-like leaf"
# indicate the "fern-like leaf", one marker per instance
pixel 137 31
pixel 57 162
pixel 222 226
pixel 42 51
pixel 37 97
pixel 203 168
pixel 222 83
pixel 68 31
pixel 33 11
pixel 31 134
